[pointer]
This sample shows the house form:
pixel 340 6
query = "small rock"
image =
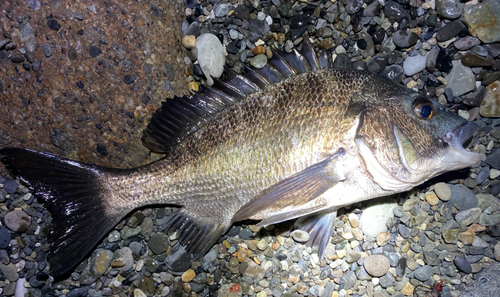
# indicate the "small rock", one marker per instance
pixel 47 50
pixel 423 273
pixel 460 79
pixel 431 198
pixel 189 41
pixel 259 61
pixel 147 285
pixel 9 271
pixel 462 264
pixel 450 9
pixel 407 289
pixel 466 43
pixel 188 275
pixel 98 264
pixel 94 51
pixel 383 238
pixel 414 65
pixel 490 106
pixel 17 221
pixel 497 251
pixel 443 191
pixel 450 30
pixel 376 265
pixel 462 197
pixel 468 216
pixel 53 25
pixel 5 237
pixel 353 220
pixel 139 293
pixel 17 58
pixel 210 56
pixel 300 236
pixel 474 60
pixel 375 215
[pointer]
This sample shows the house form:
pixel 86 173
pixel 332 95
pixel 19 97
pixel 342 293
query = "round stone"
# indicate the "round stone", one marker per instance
pixel 462 264
pixel 423 273
pixel 383 238
pixel 376 265
pixel 443 191
pixel 189 41
pixel 353 220
pixel 188 275
pixel 158 243
pixel 300 236
pixel 17 221
pixel 259 61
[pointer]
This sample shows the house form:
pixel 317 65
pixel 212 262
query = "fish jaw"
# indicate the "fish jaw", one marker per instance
pixel 457 157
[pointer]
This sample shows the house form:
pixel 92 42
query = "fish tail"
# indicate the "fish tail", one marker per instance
pixel 73 194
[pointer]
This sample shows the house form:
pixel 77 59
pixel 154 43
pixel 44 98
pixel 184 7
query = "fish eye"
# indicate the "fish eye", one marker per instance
pixel 423 108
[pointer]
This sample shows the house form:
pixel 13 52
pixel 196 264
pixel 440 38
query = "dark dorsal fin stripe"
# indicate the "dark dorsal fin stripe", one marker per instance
pixel 178 117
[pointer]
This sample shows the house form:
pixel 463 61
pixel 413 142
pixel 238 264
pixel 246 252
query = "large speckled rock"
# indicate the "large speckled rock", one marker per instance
pixel 210 56
pixel 376 265
pixel 490 106
pixel 483 20
pixel 98 264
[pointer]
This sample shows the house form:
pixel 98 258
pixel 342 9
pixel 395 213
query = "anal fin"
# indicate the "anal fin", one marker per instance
pixel 320 227
pixel 196 236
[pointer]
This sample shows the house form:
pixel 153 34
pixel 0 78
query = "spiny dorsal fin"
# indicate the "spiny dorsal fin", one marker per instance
pixel 178 117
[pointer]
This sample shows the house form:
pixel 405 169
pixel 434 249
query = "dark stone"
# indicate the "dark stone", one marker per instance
pixel 378 36
pixel 299 20
pixel 405 39
pixel 72 54
pixel 53 25
pixel 401 267
pixel 26 66
pixel 462 197
pixel 443 61
pixel 493 159
pixel 5 238
pixel 495 190
pixel 101 149
pixel 462 264
pixel 128 79
pixel 397 11
pixel 394 72
pixel 450 30
pixel 353 6
pixel 94 51
pixel 36 66
pixel 80 84
pixel 246 233
pixel 361 44
pixel 296 33
pixel 10 186
pixel 178 261
pixel 17 58
pixel 78 292
pixel 258 27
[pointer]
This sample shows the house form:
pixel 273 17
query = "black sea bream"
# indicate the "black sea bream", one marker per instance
pixel 296 138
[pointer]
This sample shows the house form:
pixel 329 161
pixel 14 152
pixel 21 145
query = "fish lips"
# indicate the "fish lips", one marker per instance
pixel 461 138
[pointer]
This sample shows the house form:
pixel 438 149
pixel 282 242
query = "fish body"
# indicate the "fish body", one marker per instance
pixel 289 141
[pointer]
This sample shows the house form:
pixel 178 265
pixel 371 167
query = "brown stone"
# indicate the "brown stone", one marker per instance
pixel 467 237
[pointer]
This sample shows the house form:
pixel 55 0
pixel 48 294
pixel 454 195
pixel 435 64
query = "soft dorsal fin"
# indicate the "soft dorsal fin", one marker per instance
pixel 180 116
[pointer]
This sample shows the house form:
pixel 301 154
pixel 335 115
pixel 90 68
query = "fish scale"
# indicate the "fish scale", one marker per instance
pixel 286 141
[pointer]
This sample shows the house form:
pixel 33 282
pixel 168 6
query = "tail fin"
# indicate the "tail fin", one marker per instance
pixel 73 195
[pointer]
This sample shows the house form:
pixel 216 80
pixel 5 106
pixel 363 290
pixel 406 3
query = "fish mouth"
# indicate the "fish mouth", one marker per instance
pixel 459 140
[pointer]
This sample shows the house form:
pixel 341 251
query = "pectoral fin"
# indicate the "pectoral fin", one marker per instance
pixel 295 192
pixel 320 227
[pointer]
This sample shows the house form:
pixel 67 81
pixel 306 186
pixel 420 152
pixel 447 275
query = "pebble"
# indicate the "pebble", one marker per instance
pixel 5 237
pixel 189 41
pixel 147 285
pixel 94 51
pixel 9 271
pixel 497 251
pixel 300 236
pixel 490 107
pixel 450 30
pixel 462 197
pixel 474 60
pixel 376 265
pixel 210 56
pixel 481 18
pixel 462 264
pixel 98 264
pixel 375 215
pixel 450 9
pixel 377 63
pixel 460 79
pixel 405 39
pixel 414 65
pixel 468 216
pixel 158 243
pixel 259 61
pixel 383 238
pixel 353 220
pixel 188 275
pixel 423 273
pixel 17 221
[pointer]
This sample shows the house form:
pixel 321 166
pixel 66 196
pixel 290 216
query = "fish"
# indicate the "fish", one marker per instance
pixel 297 139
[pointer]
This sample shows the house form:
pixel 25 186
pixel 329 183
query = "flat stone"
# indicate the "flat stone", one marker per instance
pixel 474 60
pixel 9 271
pixel 414 65
pixel 210 56
pixel 376 265
pixel 423 273
pixel 497 251
pixel 466 43
pixel 147 285
pixel 450 9
pixel 462 264
pixel 383 238
pixel 407 289
pixel 467 237
pixel 468 216
pixel 461 79
pixel 443 191
pixel 462 197
pixel 405 38
pixel 375 215
pixel 17 221
pixel 158 243
pixel 483 20
pixel 450 30
pixel 98 264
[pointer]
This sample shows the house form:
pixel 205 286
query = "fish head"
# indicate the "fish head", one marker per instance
pixel 404 138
